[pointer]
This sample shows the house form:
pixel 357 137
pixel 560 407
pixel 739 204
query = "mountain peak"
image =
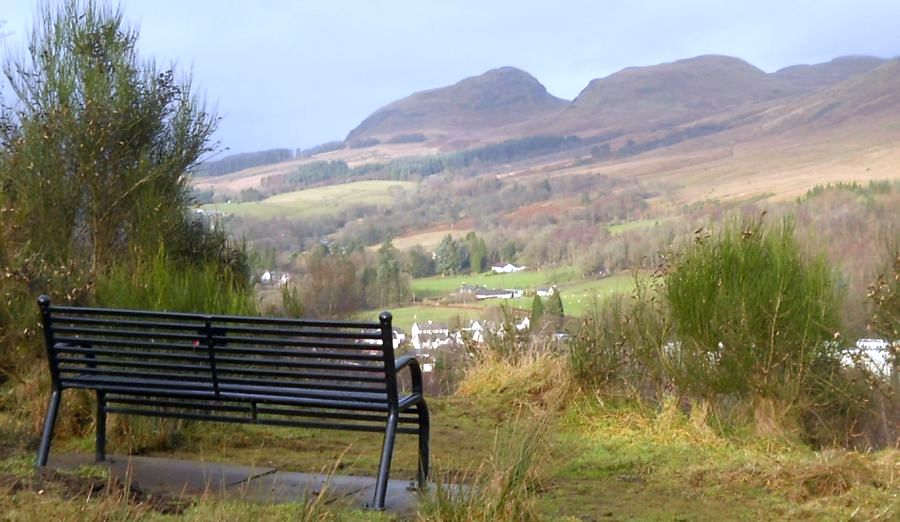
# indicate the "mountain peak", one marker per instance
pixel 495 98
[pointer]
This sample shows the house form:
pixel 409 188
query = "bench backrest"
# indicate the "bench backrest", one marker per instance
pixel 194 358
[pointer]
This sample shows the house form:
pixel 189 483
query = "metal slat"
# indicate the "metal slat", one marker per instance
pixel 89 341
pixel 207 405
pixel 225 320
pixel 298 364
pixel 102 372
pixel 257 372
pixel 303 401
pixel 132 353
pixel 229 350
pixel 62 311
pixel 134 387
pixel 142 334
pixel 222 340
pixel 117 363
pixel 379 428
pixel 93 321
pixel 317 385
pixel 282 332
pixel 302 393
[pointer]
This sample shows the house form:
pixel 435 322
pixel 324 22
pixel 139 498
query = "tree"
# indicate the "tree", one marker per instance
pixel 537 310
pixel 554 307
pixel 330 287
pixel 419 263
pixel 95 151
pixel 477 253
pixel 450 257
pixel 390 285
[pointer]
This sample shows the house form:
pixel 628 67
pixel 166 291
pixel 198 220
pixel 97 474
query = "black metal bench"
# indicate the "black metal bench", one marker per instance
pixel 251 370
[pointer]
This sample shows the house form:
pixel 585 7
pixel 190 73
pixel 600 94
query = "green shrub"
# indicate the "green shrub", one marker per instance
pixel 162 284
pixel 752 316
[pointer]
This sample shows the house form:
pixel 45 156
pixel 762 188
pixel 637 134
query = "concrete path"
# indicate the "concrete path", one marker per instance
pixel 177 478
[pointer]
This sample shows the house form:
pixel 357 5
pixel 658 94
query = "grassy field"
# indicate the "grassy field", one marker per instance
pixel 579 297
pixel 595 463
pixel 439 286
pixel 317 201
pixel 633 225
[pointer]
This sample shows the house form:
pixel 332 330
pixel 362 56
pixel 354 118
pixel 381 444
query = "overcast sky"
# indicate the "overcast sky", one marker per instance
pixel 298 73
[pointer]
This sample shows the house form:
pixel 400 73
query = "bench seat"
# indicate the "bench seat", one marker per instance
pixel 250 370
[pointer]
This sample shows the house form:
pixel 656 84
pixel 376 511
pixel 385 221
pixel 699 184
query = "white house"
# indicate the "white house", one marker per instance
pixel 872 354
pixel 508 268
pixel 429 335
pixel 546 292
pixel 524 324
pixel 486 293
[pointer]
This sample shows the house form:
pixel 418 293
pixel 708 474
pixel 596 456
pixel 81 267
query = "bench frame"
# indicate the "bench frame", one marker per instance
pixel 159 403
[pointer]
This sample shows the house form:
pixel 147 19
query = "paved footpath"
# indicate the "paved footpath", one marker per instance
pixel 176 478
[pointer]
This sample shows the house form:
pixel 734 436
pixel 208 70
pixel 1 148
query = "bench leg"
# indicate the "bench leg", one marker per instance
pixel 49 423
pixel 384 468
pixel 424 430
pixel 101 427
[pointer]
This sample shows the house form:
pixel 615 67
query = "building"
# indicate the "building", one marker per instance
pixel 507 269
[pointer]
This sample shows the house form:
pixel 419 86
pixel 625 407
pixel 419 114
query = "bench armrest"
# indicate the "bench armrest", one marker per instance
pixel 415 371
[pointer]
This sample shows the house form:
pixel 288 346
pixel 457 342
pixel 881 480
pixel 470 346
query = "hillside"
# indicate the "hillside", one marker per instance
pixel 820 75
pixel 661 96
pixel 864 103
pixel 710 128
pixel 466 109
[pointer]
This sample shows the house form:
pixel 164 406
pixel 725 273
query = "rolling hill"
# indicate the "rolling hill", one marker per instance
pixel 820 75
pixel 708 127
pixel 660 96
pixel 470 108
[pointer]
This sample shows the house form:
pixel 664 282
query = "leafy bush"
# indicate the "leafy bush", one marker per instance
pixel 160 284
pixel 751 315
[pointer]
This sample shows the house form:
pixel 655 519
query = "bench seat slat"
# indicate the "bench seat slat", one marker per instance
pixel 137 387
pixel 91 341
pixel 97 362
pixel 378 428
pixel 302 385
pixel 306 354
pixel 128 323
pixel 287 363
pixel 61 312
pixel 227 320
pixel 180 382
pixel 135 333
pixel 293 332
pixel 288 388
pixel 66 349
pixel 407 417
pixel 100 373
pixel 245 370
pixel 222 340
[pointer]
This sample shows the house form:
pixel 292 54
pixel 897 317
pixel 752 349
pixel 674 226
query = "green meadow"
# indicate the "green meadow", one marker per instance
pixel 316 201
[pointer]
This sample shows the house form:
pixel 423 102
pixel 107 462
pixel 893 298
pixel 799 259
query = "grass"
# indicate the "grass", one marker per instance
pixel 578 298
pixel 317 201
pixel 600 459
pixel 438 286
pixel 633 225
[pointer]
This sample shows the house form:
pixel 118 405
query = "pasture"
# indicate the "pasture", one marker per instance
pixel 317 201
